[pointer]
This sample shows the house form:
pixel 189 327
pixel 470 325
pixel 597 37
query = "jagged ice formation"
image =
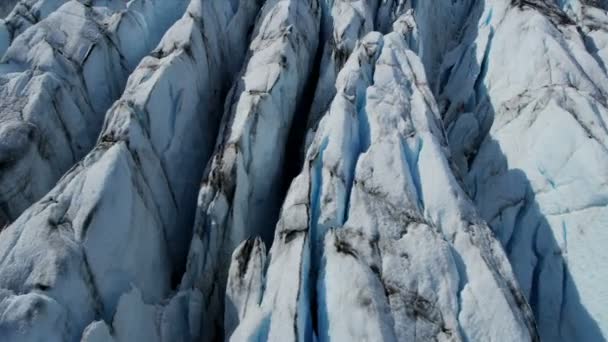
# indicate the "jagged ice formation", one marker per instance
pixel 303 170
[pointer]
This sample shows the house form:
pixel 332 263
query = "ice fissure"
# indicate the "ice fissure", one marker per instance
pixel 303 170
pixel 240 195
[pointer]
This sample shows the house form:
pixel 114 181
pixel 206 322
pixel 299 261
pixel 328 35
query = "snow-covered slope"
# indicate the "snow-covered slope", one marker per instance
pixel 453 185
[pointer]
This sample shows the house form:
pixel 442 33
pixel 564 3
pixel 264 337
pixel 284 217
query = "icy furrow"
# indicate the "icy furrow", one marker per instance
pixel 528 131
pixel 438 24
pixel 435 24
pixel 57 80
pixel 240 195
pixel 453 187
pixel 376 239
pixel 344 23
pixel 116 229
pixel 245 282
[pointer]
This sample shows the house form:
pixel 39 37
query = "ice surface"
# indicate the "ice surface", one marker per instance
pixel 137 321
pixel 527 127
pixel 26 13
pixel 240 193
pixel 245 282
pixel 344 23
pixel 453 185
pixel 433 30
pixel 120 219
pixel 58 78
pixel 6 7
pixel 377 207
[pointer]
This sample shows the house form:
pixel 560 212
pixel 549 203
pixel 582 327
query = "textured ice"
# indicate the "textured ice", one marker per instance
pixel 135 320
pixel 240 193
pixel 452 186
pixel 528 130
pixel 125 201
pixel 345 22
pixel 245 282
pixel 408 243
pixel 6 7
pixel 27 13
pixel 58 78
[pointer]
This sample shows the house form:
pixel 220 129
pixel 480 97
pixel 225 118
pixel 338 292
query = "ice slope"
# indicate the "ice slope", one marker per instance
pixel 377 240
pixel 240 193
pixel 245 286
pixel 22 15
pixel 26 13
pixel 173 320
pixel 57 80
pixel 385 233
pixel 116 228
pixel 345 22
pixel 592 19
pixel 6 7
pixel 528 130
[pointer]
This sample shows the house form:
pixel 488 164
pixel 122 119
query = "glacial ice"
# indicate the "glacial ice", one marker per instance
pixel 27 13
pixel 450 158
pixel 125 200
pixel 528 131
pixel 350 21
pixel 240 193
pixel 362 204
pixel 6 7
pixel 58 79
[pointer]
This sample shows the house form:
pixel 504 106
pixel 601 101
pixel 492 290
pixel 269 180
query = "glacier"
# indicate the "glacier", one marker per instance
pixel 532 150
pixel 131 155
pixel 241 187
pixel 369 210
pixel 74 62
pixel 303 170
pixel 6 7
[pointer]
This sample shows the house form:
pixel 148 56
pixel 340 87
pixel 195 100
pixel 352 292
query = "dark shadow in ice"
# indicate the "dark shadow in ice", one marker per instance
pixel 539 261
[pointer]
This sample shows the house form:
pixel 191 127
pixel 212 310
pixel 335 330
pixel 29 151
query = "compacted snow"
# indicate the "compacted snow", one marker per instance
pixel 450 157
